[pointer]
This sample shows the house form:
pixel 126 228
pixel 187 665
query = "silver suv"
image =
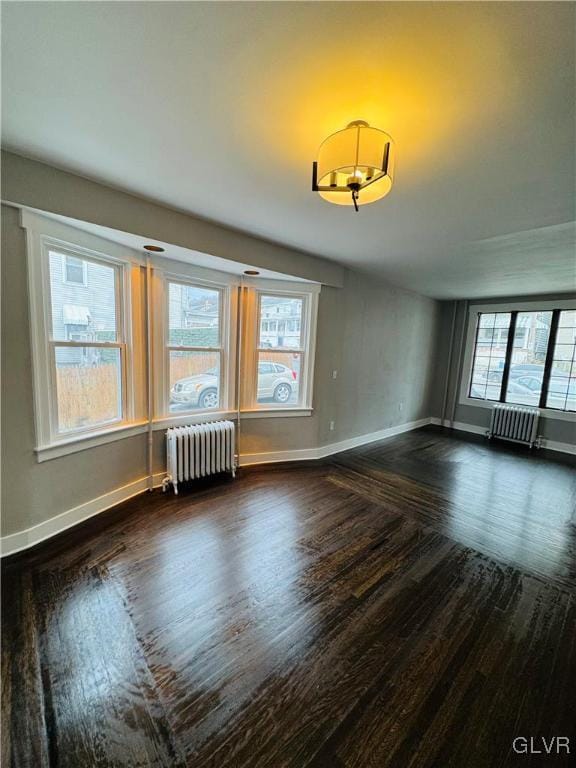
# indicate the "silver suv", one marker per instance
pixel 275 381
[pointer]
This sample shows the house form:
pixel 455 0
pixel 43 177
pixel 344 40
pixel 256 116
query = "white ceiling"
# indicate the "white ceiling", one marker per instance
pixel 219 108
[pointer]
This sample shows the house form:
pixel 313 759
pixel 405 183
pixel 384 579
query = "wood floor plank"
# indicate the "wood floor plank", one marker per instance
pixel 407 604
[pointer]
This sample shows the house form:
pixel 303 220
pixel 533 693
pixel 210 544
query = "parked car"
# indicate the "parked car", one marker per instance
pixel 199 391
pixel 516 371
pixel 525 390
pixel 275 381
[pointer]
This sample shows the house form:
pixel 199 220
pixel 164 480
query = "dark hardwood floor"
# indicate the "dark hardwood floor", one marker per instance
pixel 409 603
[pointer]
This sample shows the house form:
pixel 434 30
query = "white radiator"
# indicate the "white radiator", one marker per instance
pixel 199 450
pixel 515 423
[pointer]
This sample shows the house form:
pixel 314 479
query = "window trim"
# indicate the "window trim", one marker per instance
pixel 227 307
pixel 307 350
pixel 472 324
pixel 122 322
pixel 43 236
pixel 40 230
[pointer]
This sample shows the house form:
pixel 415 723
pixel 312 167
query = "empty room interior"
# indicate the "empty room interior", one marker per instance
pixel 288 384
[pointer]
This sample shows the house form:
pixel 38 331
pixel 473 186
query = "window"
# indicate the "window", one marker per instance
pixel 561 391
pixel 490 355
pixel 74 270
pixel 525 357
pixel 279 345
pixel 87 339
pixel 528 358
pixel 280 350
pixel 194 347
pixel 88 306
pixel 86 344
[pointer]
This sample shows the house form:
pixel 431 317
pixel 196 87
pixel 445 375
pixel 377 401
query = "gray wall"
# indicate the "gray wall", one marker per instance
pixel 380 340
pixel 386 354
pixel 552 429
pixel 32 492
pixel 37 185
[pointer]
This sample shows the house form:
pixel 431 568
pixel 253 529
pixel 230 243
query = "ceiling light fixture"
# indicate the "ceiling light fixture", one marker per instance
pixel 354 165
pixel 154 248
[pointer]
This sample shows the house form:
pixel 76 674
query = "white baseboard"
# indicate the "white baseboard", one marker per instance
pixel 306 454
pixel 549 445
pixel 554 445
pixel 372 437
pixel 17 542
pixel 459 425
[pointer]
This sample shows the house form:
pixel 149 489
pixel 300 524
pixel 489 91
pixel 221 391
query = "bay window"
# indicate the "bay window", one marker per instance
pixel 111 359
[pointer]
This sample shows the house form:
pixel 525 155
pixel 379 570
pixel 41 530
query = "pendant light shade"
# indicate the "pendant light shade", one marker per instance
pixel 354 166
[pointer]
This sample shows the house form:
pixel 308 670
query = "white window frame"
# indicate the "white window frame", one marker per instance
pixel 309 296
pixel 65 272
pixel 42 236
pixel 42 231
pixel 166 272
pixel 472 322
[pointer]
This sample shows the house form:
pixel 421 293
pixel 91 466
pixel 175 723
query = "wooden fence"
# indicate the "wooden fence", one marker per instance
pixel 89 394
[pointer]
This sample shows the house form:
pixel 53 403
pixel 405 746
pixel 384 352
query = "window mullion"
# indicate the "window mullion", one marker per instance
pixel 549 357
pixel 508 359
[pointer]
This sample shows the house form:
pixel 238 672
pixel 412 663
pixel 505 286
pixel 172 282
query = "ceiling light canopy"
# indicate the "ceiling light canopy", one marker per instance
pixel 354 166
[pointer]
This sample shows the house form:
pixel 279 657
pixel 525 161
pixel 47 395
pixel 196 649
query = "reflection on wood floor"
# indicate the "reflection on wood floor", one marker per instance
pixel 409 603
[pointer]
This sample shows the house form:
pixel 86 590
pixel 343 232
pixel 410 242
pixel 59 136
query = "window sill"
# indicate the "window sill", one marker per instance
pixel 545 413
pixel 203 417
pixel 73 444
pixel 267 413
pixel 92 440
pixel 191 417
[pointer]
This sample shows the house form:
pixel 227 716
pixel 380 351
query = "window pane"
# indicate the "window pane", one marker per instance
pixel 279 378
pixel 74 270
pixel 88 387
pixel 562 384
pixel 280 322
pixel 567 319
pixel 194 316
pixel 489 355
pixel 82 308
pixel 194 381
pixel 528 358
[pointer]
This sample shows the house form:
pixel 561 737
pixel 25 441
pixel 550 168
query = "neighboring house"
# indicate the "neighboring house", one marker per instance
pixel 530 337
pixel 280 322
pixel 191 307
pixel 83 306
